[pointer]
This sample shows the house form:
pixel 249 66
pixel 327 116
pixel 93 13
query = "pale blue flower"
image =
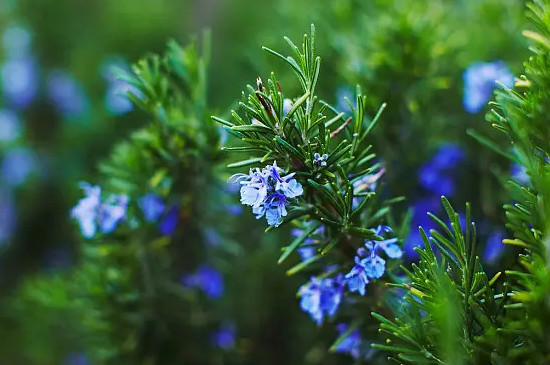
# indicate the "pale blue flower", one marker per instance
pixel 480 80
pixel 18 164
pixel 16 41
pixel 19 78
pixel 267 192
pixel 494 247
pixel 66 93
pixel 92 213
pixel 10 126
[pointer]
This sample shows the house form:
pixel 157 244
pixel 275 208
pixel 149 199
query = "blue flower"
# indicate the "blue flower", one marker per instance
pixel 494 247
pixel 357 279
pixel 208 279
pixel 169 222
pixel 321 297
pixel 152 207
pixel 19 81
pixel 267 192
pixel 17 166
pixel 91 212
pixel 10 126
pixel 479 82
pixel 66 93
pixel 224 338
pixel 370 264
pixel 351 344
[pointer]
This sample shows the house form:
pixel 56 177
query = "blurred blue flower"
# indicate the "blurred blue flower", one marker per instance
pixel 321 297
pixel 448 156
pixel 224 338
pixel 66 93
pixel 117 101
pixel 494 247
pixel 169 222
pixel 152 207
pixel 343 93
pixel 17 166
pixel 519 174
pixel 212 237
pixel 16 41
pixel 479 82
pixel 234 209
pixel 420 218
pixel 91 212
pixel 10 126
pixel 19 81
pixel 208 279
pixel 351 344
pixel 7 216
pixel 433 180
pixel 76 359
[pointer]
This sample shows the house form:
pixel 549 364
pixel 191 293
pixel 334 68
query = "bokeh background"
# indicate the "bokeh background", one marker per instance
pixel 62 110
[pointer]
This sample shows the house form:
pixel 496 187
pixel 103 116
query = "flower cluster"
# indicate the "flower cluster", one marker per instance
pixel 268 193
pixel 369 265
pixel 92 212
pixel 351 344
pixel 480 80
pixel 154 210
pixel 321 297
pixel 309 248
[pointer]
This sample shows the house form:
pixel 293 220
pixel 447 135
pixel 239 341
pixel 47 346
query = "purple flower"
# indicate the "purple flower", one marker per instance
pixel 224 338
pixel 18 164
pixel 19 81
pixel 207 279
pixel 66 93
pixel 480 80
pixel 321 297
pixel 152 207
pixel 494 247
pixel 308 251
pixel 351 344
pixel 169 222
pixel 92 213
pixel 319 160
pixel 10 126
